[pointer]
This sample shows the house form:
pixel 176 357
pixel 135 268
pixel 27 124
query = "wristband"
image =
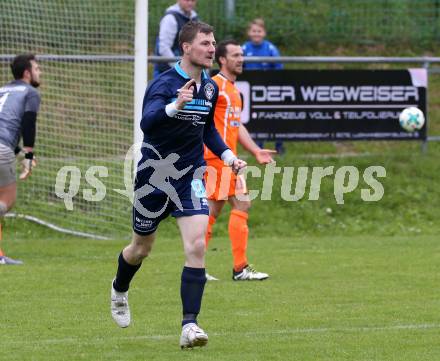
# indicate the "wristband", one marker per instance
pixel 228 157
pixel 29 155
pixel 171 109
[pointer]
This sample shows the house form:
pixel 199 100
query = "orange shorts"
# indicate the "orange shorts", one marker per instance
pixel 221 182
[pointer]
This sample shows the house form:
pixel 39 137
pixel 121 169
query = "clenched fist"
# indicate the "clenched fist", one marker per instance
pixel 185 94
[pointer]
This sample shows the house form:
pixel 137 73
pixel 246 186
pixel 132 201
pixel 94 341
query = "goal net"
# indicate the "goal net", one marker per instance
pixel 85 123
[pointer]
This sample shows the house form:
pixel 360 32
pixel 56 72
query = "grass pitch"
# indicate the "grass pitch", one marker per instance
pixel 359 283
pixel 328 298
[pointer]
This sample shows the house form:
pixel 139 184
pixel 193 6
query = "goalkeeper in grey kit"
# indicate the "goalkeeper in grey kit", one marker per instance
pixel 19 105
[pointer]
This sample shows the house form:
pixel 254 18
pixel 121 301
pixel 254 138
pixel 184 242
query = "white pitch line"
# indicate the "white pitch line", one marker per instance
pixel 55 227
pixel 288 331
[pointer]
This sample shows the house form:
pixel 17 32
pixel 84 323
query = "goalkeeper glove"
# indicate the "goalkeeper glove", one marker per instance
pixel 27 164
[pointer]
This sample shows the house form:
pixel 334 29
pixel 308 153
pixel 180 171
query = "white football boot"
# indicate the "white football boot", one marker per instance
pixel 249 274
pixel 9 261
pixel 192 336
pixel 119 308
pixel 210 278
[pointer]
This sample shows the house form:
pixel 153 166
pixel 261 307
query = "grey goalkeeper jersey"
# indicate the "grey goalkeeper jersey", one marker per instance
pixel 16 98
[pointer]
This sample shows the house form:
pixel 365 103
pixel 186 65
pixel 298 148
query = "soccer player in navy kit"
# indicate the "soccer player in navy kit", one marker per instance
pixel 177 119
pixel 19 105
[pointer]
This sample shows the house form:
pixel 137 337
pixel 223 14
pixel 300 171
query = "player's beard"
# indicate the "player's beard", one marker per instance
pixel 34 83
pixel 202 64
pixel 236 70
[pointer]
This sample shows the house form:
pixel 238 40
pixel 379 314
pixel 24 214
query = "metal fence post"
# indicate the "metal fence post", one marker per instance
pixel 425 142
pixel 230 9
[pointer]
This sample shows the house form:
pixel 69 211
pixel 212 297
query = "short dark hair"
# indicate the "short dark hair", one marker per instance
pixel 221 49
pixel 190 30
pixel 21 63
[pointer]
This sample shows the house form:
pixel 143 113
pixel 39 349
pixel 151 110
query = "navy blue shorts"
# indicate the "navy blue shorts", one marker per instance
pixel 153 203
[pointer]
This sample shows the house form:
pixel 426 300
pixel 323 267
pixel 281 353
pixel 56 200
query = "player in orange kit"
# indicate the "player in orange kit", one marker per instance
pixel 223 185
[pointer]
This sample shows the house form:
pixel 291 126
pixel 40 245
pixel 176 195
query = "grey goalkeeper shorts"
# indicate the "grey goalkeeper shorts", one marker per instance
pixel 7 166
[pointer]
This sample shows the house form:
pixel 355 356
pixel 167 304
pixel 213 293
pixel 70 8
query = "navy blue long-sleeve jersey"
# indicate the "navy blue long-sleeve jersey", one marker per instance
pixel 186 132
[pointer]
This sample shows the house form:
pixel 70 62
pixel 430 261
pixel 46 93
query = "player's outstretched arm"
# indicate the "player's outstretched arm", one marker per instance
pixel 263 156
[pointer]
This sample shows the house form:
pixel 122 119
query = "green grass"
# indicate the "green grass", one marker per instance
pixel 328 298
pixel 356 284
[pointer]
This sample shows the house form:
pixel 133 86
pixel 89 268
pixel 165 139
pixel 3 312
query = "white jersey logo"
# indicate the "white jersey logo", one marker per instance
pixel 209 90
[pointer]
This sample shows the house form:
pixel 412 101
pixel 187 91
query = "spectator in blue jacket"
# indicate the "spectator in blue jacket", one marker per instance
pixel 258 46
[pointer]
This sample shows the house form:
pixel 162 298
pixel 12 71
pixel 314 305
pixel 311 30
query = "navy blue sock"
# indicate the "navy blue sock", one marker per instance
pixel 191 292
pixel 124 274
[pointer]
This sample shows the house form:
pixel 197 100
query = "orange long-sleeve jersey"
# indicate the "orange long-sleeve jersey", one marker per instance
pixel 227 114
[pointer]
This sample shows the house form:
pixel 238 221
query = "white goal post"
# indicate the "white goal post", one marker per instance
pixel 140 63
